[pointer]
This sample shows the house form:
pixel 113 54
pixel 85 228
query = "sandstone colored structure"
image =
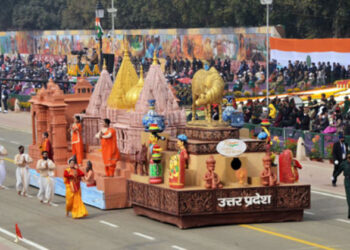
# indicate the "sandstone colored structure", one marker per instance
pixel 98 102
pixel 97 108
pixel 53 111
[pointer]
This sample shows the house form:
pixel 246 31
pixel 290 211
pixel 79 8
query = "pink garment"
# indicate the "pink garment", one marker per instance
pixel 330 130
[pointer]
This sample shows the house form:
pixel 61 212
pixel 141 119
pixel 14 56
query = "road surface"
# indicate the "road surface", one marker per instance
pixel 325 225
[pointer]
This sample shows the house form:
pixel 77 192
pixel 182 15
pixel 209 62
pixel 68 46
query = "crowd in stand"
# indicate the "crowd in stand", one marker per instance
pixel 241 74
pixel 19 68
pixel 326 116
pixel 252 74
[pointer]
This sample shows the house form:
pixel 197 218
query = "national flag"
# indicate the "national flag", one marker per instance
pixel 310 50
pixel 98 28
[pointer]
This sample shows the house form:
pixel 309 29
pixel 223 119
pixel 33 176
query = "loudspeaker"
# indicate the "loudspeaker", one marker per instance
pixel 109 61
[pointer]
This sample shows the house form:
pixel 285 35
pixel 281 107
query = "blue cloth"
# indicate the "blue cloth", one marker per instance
pixel 262 136
pixel 182 137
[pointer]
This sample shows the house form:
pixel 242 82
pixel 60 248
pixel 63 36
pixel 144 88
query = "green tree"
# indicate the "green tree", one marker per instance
pixel 37 14
pixel 6 13
pixel 301 19
pixel 79 14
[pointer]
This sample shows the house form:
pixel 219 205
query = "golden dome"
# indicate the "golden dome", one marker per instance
pixel 125 80
pixel 134 93
pixel 104 65
pixel 155 59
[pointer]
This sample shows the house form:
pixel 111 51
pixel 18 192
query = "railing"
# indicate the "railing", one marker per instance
pixel 317 145
pixel 43 81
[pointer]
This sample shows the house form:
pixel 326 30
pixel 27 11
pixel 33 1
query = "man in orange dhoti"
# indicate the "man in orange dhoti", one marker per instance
pixel 77 141
pixel 110 152
pixel 72 178
pixel 46 146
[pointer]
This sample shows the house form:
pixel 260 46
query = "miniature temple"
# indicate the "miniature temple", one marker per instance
pixel 52 112
pixel 97 108
pixel 155 88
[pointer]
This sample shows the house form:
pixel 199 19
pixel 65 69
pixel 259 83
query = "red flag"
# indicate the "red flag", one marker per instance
pixel 18 232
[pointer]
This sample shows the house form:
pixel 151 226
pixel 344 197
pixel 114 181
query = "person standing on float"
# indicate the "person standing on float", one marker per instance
pixel 3 153
pixel 46 146
pixel 110 152
pixel 77 140
pixel 22 161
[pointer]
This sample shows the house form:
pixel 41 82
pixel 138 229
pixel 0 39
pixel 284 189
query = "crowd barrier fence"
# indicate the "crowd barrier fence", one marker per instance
pixel 317 145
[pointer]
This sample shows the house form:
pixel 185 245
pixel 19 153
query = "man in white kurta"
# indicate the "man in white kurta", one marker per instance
pixel 46 168
pixel 22 161
pixel 3 153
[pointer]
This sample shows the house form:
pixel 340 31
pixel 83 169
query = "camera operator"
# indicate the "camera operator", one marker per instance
pixel 94 59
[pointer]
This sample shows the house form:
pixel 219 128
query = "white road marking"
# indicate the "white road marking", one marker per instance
pixel 341 220
pixel 329 195
pixel 178 248
pixel 310 213
pixel 144 236
pixel 28 242
pixel 14 142
pixel 108 224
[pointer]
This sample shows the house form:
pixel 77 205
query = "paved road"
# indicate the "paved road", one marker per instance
pixel 324 227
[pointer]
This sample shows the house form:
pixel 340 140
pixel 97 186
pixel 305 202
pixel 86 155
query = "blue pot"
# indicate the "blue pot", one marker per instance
pixel 228 113
pixel 237 120
pixel 153 118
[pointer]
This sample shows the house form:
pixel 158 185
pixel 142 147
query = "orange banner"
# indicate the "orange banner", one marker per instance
pixel 311 45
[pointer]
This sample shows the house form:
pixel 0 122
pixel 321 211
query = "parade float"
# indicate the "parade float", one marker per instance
pixel 195 174
pixel 207 175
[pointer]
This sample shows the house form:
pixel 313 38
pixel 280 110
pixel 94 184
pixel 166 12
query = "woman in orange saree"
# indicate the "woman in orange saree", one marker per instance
pixel 77 140
pixel 72 178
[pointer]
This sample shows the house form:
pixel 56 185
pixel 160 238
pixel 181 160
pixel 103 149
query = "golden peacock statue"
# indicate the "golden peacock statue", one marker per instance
pixel 207 89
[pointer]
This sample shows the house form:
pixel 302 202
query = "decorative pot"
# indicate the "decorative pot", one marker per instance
pixel 153 118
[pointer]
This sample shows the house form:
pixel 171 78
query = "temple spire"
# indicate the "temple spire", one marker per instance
pixel 126 45
pixel 155 59
pixel 125 80
pixel 141 72
pixel 104 64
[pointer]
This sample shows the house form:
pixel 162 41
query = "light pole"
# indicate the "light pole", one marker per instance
pixel 267 3
pixel 113 12
pixel 100 13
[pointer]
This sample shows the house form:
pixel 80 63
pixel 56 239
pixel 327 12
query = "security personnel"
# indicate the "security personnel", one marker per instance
pixel 340 151
pixel 345 168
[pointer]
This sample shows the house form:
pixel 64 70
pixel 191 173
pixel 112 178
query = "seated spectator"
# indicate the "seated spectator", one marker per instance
pixel 332 127
pixel 304 122
pixel 324 121
pixel 346 105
